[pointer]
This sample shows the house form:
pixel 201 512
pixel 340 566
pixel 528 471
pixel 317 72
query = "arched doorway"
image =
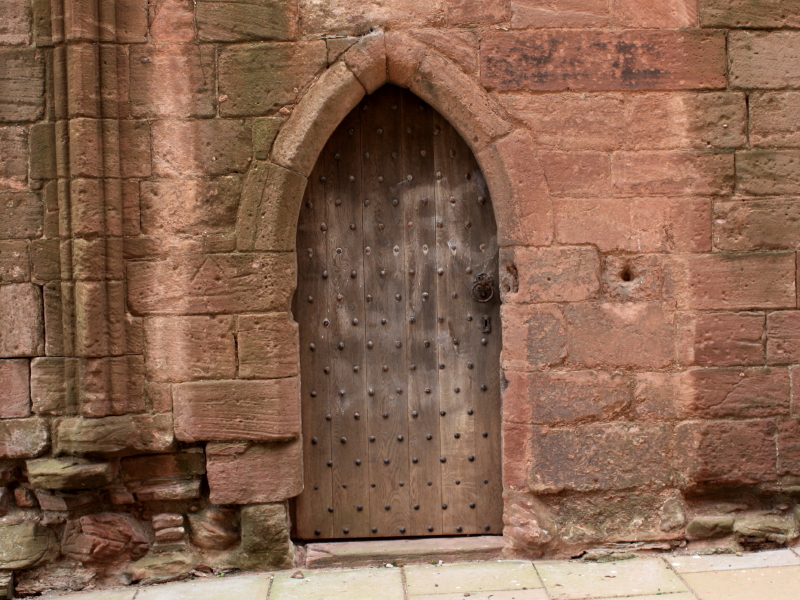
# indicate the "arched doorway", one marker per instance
pixel 399 330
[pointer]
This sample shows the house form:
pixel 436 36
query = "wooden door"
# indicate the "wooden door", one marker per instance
pixel 399 331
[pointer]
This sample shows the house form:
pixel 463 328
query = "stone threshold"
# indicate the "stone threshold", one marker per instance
pixel 371 553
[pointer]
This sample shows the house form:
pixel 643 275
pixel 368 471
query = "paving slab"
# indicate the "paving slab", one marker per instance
pixel 419 550
pixel 471 577
pixel 773 583
pixel 126 594
pixel 218 588
pixel 720 562
pixel 678 596
pixel 350 584
pixel 539 594
pixel 639 576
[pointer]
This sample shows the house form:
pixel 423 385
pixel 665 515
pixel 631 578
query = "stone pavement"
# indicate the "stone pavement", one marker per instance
pixel 773 575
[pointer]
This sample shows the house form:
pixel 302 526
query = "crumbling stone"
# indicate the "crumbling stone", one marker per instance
pixel 24 545
pixel 215 528
pixel 265 537
pixel 701 528
pixel 104 538
pixel 69 473
pixel 161 567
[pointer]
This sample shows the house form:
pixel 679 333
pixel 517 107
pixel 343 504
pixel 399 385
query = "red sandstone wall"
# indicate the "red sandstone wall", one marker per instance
pixel 650 249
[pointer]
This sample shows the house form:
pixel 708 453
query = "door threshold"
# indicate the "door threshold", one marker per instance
pixel 373 553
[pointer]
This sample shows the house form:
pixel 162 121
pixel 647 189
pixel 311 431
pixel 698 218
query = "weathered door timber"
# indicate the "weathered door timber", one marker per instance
pixel 399 331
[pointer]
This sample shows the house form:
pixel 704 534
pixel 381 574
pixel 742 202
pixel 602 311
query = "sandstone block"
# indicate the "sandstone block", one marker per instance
pixel 250 474
pixel 14 262
pixel 169 534
pixel 534 336
pixel 159 397
pixel 259 79
pixel 773 119
pixel 190 348
pixel 766 527
pixel 403 57
pixel 740 393
pixel 23 215
pixel 14 150
pixel 181 465
pixel 352 17
pixel 554 398
pixel 104 538
pixel 69 473
pixel 789 447
pixel 640 60
pixel 670 14
pixel 265 130
pixel 721 339
pixel 577 174
pixel 725 452
pixel 555 274
pixel 237 410
pixel 367 60
pixel 15 399
pixel 620 334
pixel 87 207
pixel 265 536
pixel 167 521
pixel 46 260
pixel 128 434
pixel 53 382
pixel 226 21
pixel 205 147
pixel 545 13
pixel 23 438
pixel 328 101
pixel 171 20
pixel 22 94
pixel 749 14
pixel 565 459
pixel 655 396
pixel 169 490
pixel 672 173
pixel 172 80
pixel 16 28
pixel 42 147
pixel 734 282
pixel 213 284
pixel 523 207
pixel 214 528
pixel 111 386
pixel 86 148
pixel 463 13
pixel 783 337
pixel 757 225
pixel 134 148
pixel 25 545
pixel 764 59
pixel 459 46
pixel 267 346
pixel 768 172
pixel 21 320
pixel 703 528
pixel 162 566
pixel 638 277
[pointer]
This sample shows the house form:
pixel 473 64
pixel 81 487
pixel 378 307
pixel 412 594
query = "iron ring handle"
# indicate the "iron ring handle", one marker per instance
pixel 481 283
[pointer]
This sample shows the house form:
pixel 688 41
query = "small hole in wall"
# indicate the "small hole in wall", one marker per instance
pixel 626 274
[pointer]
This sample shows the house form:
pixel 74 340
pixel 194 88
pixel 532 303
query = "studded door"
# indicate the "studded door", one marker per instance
pixel 399 331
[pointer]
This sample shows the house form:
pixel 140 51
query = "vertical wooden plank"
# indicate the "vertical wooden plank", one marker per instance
pixel 456 347
pixel 313 519
pixel 419 206
pixel 347 331
pixel 382 181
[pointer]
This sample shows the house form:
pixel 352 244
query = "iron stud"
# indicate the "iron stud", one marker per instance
pixel 355 321
pixel 369 297
pixel 427 390
pixel 455 342
pixel 426 343
pixel 386 461
pixel 459 529
pixel 353 274
pixel 313 440
pixel 385 368
pixel 429 437
pixel 374 530
pixel 411 272
pixel 383 321
pixel 399 391
pixel 398 344
pixel 380 178
pixel 310 299
pixel 430 528
pixel 330 463
pixel 339 297
pixel 469 317
pixel 313 347
pixel 371 392
pixel 440 319
pixel 326 370
pixel 330 509
pixel 328 417
pixel 323 179
pixel 485 434
pixel 370 344
pixel 356 416
pixel 485 481
pixel 470 411
pixel 395 201
pixel 355 368
pixel 313 394
pixel 416 507
pixel 456 435
pixel 338 202
pixel 403 529
pixel 443 412
pixel 472 505
pixel 484 341
pixel 340 345
pixel 454 295
pixel 441 365
pixel 346 530
pixel 385 415
pixel 442 459
pixel 352 226
pixel 399 438
pixel 469 270
pixel 326 322
pixel 484 388
pixel 317 532
pixel 372 438
pixel 470 365
pixel 359 508
pixel 481 200
pixel 415 460
pixel 414 414
pixel 444 506
pixel 425 295
pixel 413 367
pixel 470 458
pixel 398 297
pixel 440 271
pixel 486 527
pixel 358 462
pixel 430 483
pixel 456 389
pixel 323 227
pixel 458 482
pixel 341 392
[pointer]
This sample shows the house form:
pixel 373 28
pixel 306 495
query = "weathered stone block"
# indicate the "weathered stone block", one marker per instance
pixel 104 538
pixel 23 215
pixel 463 13
pixel 172 80
pixel 768 172
pixel 703 528
pixel 655 396
pixel 367 60
pixel 213 284
pixel 45 260
pixel 260 79
pixel 250 474
pixel 555 274
pixel 268 346
pixel 602 60
pixel 169 490
pixel 229 21
pixel 789 446
pixel 741 393
pixel 181 465
pixel 598 457
pixel 265 130
pixel 214 528
pixel 545 13
pixel 725 452
pixel 637 277
pixel 534 336
pixel 15 399
pixel 764 59
pixel 14 262
pixel 669 14
pixel 127 434
pixel 22 94
pixel 42 144
pixel 783 337
pixel 620 335
pixel 520 194
pixel 171 20
pixel 21 320
pixel 237 410
pixel 69 474
pixel 16 23
pixel 735 281
pixel 205 147
pixel 162 566
pixel 672 173
pixel 190 348
pixel 53 385
pixel 352 17
pixel 23 438
pixel 111 386
pixel 721 339
pixel 749 14
pixel 265 537
pixel 577 174
pixel 554 398
pixel 773 119
pixel 757 225
pixel 25 545
pixel 159 397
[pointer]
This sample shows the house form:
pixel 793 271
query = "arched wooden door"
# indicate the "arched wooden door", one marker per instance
pixel 399 314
